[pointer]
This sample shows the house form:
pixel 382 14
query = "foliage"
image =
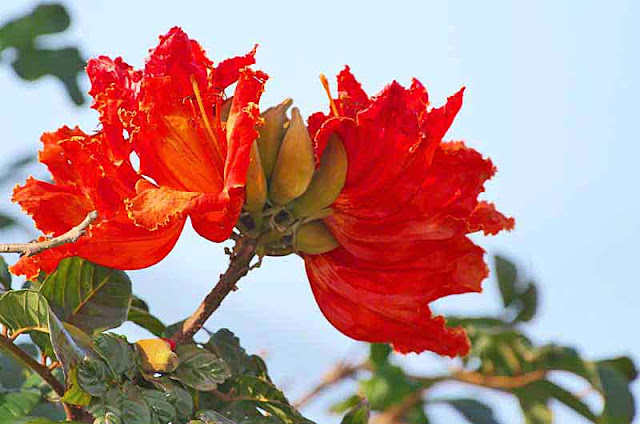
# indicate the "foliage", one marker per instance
pixel 31 61
pixel 503 358
pixel 219 382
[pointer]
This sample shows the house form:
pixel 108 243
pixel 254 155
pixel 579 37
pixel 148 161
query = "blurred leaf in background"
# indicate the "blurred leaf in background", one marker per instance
pixel 31 60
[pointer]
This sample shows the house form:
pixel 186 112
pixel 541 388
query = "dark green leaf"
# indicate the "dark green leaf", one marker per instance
pixel 64 64
pixel 379 354
pixel 15 404
pixel 117 352
pixel 227 347
pixel 89 296
pixel 126 405
pixel 529 304
pixel 619 407
pixel 212 417
pixel 162 410
pixel 535 412
pixel 5 276
pixel 172 329
pixel 139 314
pixel 346 404
pixel 94 376
pixel 388 386
pixel 542 391
pixel 474 411
pixel 44 19
pixel 70 344
pixel 6 221
pixel 74 394
pixel 507 275
pixel 13 373
pixel 24 310
pixel 358 415
pixel 200 368
pixel 624 365
pixel 258 393
pixel 176 395
pixel 37 420
pixel 43 341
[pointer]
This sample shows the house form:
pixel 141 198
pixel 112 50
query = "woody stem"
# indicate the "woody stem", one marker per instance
pixel 241 256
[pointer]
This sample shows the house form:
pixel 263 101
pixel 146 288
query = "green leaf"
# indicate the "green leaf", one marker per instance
pixel 212 417
pixel 542 391
pixel 74 394
pixel 5 276
pixel 379 354
pixel 177 396
pixel 507 275
pixel 346 404
pixel 43 341
pixel 139 314
pixel 227 347
pixel 44 19
pixel 126 406
pixel 162 410
pixel 535 412
pixel 529 304
pixel 117 352
pixel 37 420
pixel 94 376
pixel 358 415
pixel 474 411
pixel 89 296
pixel 619 407
pixel 24 310
pixel 70 344
pixel 15 404
pixel 388 386
pixel 257 393
pixel 12 372
pixel 199 368
pixel 623 364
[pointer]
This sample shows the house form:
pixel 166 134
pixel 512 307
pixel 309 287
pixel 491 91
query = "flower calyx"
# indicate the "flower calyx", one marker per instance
pixel 289 192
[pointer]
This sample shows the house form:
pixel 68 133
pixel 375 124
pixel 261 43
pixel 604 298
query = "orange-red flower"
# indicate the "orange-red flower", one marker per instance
pixel 402 218
pixel 193 163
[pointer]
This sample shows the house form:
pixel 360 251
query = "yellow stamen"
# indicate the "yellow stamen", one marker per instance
pixel 196 91
pixel 325 84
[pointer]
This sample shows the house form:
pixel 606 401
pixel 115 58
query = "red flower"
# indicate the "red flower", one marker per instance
pixel 402 218
pixel 191 141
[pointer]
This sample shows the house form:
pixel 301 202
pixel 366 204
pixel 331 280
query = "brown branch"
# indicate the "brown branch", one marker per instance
pixel 35 247
pixel 338 373
pixel 32 364
pixel 239 266
pixel 497 381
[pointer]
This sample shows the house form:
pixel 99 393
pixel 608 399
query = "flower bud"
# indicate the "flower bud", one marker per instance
pixel 256 185
pixel 157 355
pixel 295 163
pixel 314 238
pixel 327 182
pixel 271 133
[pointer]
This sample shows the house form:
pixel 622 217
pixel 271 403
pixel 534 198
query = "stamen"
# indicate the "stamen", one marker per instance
pixel 332 103
pixel 207 124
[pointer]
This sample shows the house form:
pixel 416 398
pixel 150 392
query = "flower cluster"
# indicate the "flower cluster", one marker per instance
pixel 372 198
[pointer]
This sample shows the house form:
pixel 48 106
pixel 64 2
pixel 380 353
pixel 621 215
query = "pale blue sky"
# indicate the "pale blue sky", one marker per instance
pixel 551 98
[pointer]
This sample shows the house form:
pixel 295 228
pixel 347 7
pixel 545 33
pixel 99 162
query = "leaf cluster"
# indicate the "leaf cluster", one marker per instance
pixel 31 60
pixel 503 358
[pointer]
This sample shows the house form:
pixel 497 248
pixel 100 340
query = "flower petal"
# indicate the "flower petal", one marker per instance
pixel 389 304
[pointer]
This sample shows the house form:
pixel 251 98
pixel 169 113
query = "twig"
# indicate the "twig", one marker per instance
pixel 35 247
pixel 32 364
pixel 499 382
pixel 239 266
pixel 338 373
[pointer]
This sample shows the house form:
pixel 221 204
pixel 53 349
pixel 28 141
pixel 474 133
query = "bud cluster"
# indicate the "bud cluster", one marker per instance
pixel 287 195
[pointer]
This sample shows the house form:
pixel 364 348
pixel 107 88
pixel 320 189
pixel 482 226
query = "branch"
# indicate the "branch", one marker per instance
pixel 243 252
pixel 500 382
pixel 338 373
pixel 35 247
pixel 32 364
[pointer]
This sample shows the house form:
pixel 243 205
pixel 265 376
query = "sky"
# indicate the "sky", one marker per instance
pixel 551 98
